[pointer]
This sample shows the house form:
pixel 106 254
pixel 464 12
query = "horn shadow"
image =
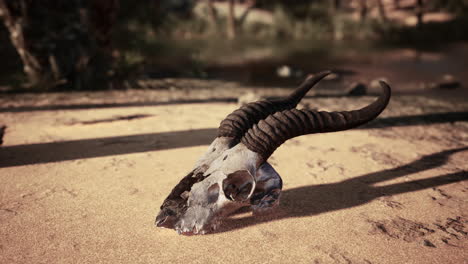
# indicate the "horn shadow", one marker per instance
pixel 317 199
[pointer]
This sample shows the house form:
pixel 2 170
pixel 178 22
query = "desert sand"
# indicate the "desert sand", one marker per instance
pixel 83 175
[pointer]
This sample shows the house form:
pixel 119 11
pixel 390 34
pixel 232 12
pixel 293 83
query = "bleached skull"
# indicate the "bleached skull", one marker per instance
pixel 233 173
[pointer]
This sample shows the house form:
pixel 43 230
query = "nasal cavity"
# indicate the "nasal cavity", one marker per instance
pixel 213 193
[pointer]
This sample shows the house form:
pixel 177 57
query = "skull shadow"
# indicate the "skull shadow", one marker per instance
pixel 317 199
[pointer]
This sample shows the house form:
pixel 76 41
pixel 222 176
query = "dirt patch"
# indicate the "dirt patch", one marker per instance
pixel 391 192
pixel 401 228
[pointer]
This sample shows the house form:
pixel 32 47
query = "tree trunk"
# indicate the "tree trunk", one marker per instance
pixel 103 14
pixel 250 5
pixel 336 5
pixel 14 17
pixel 54 41
pixel 419 13
pixel 231 21
pixel 213 15
pixel 383 14
pixel 363 10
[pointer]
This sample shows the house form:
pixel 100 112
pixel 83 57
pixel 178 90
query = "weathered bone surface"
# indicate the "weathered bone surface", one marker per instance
pixel 234 172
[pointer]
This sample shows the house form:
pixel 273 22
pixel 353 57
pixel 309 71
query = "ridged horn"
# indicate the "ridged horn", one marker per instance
pixel 268 134
pixel 238 122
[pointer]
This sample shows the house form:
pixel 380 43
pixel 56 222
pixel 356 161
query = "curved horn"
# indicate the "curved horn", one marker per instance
pixel 271 132
pixel 238 122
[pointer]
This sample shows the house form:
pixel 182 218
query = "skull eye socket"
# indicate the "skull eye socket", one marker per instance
pixel 213 193
pixel 238 185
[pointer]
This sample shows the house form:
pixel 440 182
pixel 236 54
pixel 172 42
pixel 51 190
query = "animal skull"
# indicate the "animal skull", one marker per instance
pixel 234 171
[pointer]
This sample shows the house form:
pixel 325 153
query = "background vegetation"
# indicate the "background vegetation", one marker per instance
pixel 78 45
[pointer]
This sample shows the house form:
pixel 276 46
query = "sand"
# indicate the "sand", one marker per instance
pixel 84 184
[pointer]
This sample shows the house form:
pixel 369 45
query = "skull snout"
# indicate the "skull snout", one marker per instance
pixel 166 219
pixel 197 220
pixel 199 211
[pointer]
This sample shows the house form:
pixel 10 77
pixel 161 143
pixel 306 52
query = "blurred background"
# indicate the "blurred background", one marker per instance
pixel 106 104
pixel 53 45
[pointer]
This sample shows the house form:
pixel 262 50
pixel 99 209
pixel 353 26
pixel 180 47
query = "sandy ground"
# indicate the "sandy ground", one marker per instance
pixel 82 181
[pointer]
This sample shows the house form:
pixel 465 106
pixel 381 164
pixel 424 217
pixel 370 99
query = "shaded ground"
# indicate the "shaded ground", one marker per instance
pixel 83 175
